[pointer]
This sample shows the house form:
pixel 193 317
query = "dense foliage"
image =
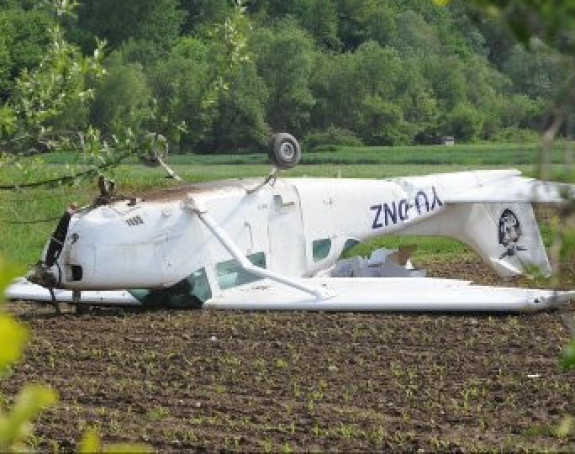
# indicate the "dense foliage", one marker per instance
pixel 379 72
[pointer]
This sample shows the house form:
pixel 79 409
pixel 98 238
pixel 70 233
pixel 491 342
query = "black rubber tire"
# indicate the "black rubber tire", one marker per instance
pixel 284 151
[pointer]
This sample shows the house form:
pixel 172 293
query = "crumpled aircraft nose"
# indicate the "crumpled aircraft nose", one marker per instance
pixel 45 272
pixel 42 275
pixel 59 236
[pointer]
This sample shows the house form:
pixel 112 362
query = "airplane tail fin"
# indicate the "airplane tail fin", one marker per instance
pixel 505 235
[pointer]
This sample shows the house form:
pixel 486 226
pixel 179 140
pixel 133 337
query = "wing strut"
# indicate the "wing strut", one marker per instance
pixel 232 248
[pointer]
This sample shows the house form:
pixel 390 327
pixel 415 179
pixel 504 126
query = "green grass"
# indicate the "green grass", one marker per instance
pixel 503 154
pixel 436 248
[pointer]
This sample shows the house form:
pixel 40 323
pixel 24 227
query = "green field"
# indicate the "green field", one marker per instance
pixel 22 238
pixel 482 154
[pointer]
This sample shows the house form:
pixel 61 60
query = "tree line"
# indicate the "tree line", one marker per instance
pixel 375 72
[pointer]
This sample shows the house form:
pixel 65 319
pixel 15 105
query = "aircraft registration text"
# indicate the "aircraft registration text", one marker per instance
pixel 404 209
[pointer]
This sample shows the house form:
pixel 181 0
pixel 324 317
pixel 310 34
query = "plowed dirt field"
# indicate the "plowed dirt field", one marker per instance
pixel 202 380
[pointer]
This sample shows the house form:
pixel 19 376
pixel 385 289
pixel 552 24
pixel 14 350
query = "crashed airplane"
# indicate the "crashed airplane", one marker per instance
pixel 276 244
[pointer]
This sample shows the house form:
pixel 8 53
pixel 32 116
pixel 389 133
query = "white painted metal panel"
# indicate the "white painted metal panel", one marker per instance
pixel 516 189
pixel 389 295
pixel 287 252
pixel 349 295
pixel 23 290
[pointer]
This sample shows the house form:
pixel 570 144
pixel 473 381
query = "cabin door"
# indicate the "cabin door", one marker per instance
pixel 285 228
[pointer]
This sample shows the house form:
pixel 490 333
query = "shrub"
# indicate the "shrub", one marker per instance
pixel 329 139
pixel 464 122
pixel 514 134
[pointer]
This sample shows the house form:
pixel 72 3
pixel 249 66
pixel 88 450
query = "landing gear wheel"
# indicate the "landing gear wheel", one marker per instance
pixel 284 151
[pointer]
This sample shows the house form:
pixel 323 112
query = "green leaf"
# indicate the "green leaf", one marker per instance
pixel 565 427
pixel 7 274
pixel 30 401
pixel 90 442
pixel 12 338
pixel 7 120
pixel 568 355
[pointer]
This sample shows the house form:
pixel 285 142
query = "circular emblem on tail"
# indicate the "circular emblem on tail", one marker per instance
pixel 509 232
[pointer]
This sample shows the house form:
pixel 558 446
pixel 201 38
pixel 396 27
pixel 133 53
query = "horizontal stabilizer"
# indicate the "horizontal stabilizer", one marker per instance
pixel 515 189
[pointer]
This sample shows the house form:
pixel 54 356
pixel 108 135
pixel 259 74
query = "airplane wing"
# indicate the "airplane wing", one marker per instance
pixel 515 188
pixel 22 290
pixel 389 295
pixel 344 295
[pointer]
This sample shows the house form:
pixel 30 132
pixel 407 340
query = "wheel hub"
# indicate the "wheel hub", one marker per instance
pixel 287 150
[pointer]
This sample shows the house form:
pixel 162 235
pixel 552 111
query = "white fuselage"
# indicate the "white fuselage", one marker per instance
pixel 297 227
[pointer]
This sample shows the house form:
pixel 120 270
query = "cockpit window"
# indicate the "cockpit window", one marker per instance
pixel 321 249
pixel 189 293
pixel 349 244
pixel 231 274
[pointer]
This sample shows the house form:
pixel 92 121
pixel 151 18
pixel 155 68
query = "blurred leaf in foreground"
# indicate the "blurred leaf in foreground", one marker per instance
pixel 16 426
pixel 12 338
pixel 12 334
pixel 6 275
pixel 91 443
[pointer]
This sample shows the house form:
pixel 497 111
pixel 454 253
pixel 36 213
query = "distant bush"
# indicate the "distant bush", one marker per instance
pixel 516 135
pixel 330 139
